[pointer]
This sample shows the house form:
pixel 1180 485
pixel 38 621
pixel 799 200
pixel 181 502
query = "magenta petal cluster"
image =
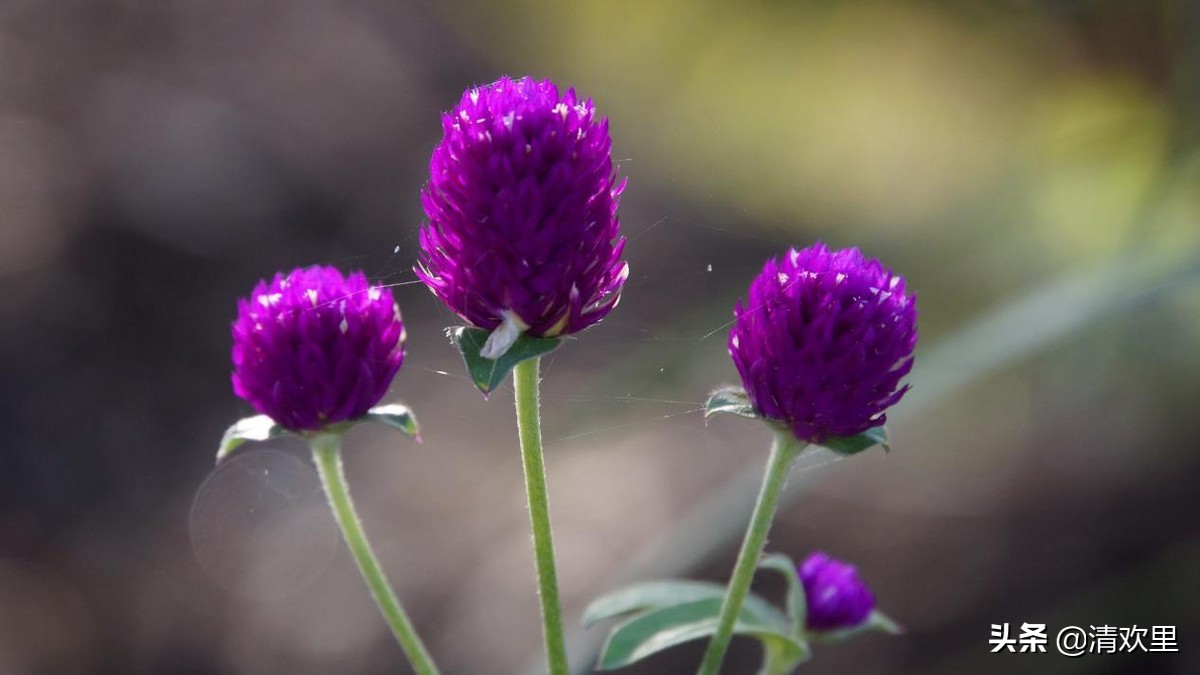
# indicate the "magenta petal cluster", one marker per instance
pixel 823 340
pixel 836 597
pixel 522 210
pixel 314 348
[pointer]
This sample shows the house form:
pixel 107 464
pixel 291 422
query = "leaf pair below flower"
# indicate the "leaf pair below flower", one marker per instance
pixel 663 614
pixel 262 428
pixel 733 400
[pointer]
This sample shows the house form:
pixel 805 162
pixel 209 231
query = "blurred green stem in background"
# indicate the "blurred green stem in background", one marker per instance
pixel 525 382
pixel 327 453
pixel 784 450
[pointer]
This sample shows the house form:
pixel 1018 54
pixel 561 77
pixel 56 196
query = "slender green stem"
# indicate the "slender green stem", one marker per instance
pixel 327 453
pixel 525 381
pixel 783 452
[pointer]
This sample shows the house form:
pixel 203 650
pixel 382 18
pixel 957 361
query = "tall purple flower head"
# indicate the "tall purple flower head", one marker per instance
pixel 837 598
pixel 314 348
pixel 522 211
pixel 823 340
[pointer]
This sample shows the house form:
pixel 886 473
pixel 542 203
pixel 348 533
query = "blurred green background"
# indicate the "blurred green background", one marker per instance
pixel 1032 167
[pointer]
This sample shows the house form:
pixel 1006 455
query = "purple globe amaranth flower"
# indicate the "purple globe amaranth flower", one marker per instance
pixel 823 340
pixel 314 348
pixel 522 207
pixel 837 598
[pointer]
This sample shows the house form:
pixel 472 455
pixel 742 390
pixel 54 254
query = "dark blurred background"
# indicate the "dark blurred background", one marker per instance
pixel 1032 167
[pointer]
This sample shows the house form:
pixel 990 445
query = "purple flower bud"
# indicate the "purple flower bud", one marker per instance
pixel 823 340
pixel 522 206
pixel 837 598
pixel 315 348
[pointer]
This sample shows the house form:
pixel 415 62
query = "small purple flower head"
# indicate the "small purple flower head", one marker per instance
pixel 823 340
pixel 837 598
pixel 314 348
pixel 522 206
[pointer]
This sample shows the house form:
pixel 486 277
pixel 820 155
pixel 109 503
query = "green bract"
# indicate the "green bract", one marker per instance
pixel 487 374
pixel 733 400
pixel 262 428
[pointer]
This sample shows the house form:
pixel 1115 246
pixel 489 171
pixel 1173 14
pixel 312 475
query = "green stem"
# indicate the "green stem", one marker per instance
pixel 327 454
pixel 525 381
pixel 783 452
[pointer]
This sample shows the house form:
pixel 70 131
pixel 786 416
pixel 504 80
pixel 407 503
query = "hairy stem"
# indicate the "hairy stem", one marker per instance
pixel 328 456
pixel 525 381
pixel 783 452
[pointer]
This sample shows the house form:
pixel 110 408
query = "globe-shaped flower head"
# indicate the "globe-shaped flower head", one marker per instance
pixel 836 597
pixel 522 211
pixel 314 348
pixel 823 340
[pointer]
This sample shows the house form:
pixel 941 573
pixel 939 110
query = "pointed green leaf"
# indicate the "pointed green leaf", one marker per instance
pixel 797 602
pixel 852 445
pixel 257 428
pixel 487 374
pixel 781 658
pixel 397 416
pixel 876 621
pixel 651 595
pixel 882 622
pixel 730 399
pixel 660 629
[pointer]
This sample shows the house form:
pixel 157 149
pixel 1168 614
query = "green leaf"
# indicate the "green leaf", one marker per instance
pixel 882 622
pixel 257 428
pixel 660 629
pixel 852 445
pixel 781 658
pixel 730 399
pixel 397 416
pixel 876 621
pixel 797 601
pixel 652 595
pixel 487 374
